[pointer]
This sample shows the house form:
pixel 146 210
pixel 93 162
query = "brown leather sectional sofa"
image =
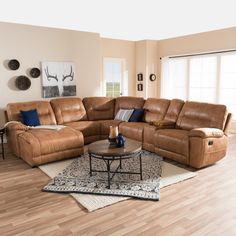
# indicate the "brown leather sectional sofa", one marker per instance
pixel 191 133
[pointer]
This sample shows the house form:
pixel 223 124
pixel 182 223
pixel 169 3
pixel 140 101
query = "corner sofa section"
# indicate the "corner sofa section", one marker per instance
pixel 71 112
pixel 38 146
pixel 191 133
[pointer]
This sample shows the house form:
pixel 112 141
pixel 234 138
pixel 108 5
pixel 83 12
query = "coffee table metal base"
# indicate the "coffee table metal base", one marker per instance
pixel 109 160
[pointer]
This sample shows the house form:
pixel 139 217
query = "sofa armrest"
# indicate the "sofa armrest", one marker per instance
pixel 206 133
pixel 16 126
pixel 163 124
pixel 13 130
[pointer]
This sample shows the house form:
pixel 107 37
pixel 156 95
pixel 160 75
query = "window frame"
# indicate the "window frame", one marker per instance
pixel 124 75
pixel 218 76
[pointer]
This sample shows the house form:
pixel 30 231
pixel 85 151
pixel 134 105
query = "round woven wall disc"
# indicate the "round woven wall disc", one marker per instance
pixel 13 64
pixel 35 72
pixel 22 82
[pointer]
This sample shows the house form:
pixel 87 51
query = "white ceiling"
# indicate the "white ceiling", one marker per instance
pixel 124 19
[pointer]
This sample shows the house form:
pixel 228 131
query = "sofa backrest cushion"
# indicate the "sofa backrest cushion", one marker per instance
pixel 99 108
pixel 68 110
pixel 201 115
pixel 44 110
pixel 155 109
pixel 128 103
pixel 174 110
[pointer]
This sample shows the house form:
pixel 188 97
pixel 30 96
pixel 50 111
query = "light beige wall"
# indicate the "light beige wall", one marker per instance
pixel 151 67
pixel 146 63
pixel 141 60
pixel 31 45
pixel 204 42
pixel 121 49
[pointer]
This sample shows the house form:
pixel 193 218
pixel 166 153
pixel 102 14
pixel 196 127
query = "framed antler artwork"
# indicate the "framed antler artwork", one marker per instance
pixel 58 79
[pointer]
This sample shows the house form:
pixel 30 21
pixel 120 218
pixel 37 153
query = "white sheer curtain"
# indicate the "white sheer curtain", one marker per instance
pixel 174 78
pixel 203 79
pixel 165 81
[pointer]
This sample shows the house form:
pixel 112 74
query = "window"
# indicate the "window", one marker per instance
pixel 227 86
pixel 115 77
pixel 175 85
pixel 202 79
pixel 208 78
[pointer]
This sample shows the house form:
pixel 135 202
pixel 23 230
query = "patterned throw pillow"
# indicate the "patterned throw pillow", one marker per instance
pixel 124 114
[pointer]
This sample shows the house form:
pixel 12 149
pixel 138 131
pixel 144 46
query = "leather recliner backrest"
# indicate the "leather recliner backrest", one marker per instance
pixel 99 108
pixel 155 109
pixel 128 103
pixel 174 110
pixel 68 110
pixel 200 115
pixel 44 109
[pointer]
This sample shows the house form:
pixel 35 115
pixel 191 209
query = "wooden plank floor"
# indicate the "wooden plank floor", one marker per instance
pixel 204 205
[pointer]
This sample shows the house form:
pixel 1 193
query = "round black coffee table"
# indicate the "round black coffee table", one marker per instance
pixel 102 150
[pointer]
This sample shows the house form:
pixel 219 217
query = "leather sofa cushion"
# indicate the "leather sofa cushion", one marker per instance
pixel 44 141
pixel 128 103
pixel 173 140
pixel 68 110
pixel 44 109
pixel 99 108
pixel 88 128
pixel 133 130
pixel 155 109
pixel 163 124
pixel 174 110
pixel 105 125
pixel 148 134
pixel 148 138
pixel 200 115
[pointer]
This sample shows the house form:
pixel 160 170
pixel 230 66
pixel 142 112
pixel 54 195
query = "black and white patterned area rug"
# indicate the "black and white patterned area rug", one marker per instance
pixel 75 178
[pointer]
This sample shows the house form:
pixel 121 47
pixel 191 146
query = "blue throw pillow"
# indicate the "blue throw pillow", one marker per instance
pixel 137 115
pixel 30 117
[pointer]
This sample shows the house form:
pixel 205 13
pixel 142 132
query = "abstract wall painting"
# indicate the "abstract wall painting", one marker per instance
pixel 58 79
